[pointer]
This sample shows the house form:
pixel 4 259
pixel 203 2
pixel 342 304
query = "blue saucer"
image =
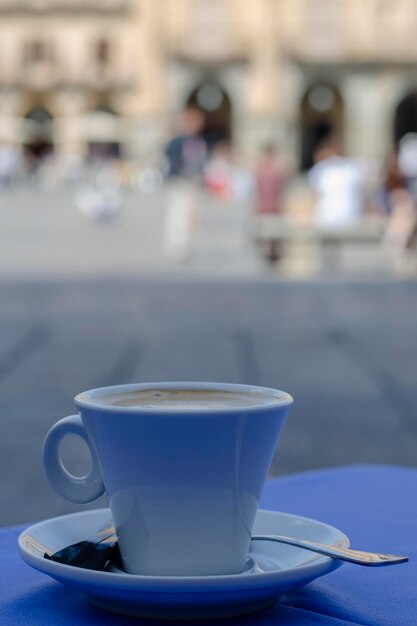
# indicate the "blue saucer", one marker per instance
pixel 271 569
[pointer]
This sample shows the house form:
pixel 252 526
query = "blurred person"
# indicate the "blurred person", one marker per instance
pixel 186 156
pixel 186 152
pixel 224 177
pixel 38 162
pixel 9 165
pixel 99 198
pixel 407 161
pixel 271 179
pixel 98 205
pixel 393 179
pixel 219 172
pixel 401 230
pixel 339 187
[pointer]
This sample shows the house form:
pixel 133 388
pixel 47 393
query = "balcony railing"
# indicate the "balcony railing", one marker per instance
pixel 51 77
pixel 74 7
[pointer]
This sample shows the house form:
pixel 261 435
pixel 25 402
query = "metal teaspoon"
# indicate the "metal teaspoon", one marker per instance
pixel 358 557
pixel 99 550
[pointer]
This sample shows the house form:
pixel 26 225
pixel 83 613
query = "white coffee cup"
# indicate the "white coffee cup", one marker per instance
pixel 183 477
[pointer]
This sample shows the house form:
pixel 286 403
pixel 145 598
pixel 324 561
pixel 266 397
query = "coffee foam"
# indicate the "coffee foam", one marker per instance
pixel 186 399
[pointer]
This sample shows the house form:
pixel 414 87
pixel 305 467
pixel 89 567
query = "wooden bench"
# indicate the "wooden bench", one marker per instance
pixel 327 243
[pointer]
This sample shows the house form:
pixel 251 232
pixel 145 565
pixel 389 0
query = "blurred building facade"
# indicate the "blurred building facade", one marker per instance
pixel 81 76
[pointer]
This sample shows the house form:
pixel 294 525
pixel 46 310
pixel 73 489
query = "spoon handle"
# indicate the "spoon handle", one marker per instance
pixel 344 554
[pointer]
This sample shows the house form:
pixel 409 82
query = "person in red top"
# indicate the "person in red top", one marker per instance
pixel 271 177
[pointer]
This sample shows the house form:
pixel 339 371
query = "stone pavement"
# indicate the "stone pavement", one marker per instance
pixel 346 352
pixel 43 235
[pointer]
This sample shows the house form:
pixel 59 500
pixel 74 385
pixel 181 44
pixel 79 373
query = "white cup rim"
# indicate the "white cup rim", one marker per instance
pixel 91 399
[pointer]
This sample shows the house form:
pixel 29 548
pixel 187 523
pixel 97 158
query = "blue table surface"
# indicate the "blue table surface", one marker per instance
pixel 376 506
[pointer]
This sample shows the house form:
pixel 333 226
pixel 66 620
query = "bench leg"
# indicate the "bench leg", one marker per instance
pixel 271 250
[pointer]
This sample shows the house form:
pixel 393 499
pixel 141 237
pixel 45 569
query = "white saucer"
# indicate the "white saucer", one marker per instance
pixel 272 569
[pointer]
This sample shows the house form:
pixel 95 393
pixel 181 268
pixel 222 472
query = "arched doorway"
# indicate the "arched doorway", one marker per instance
pixel 405 117
pixel 38 133
pixel 321 117
pixel 102 133
pixel 215 104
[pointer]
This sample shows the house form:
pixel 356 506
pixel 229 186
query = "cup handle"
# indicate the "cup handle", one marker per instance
pixel 78 489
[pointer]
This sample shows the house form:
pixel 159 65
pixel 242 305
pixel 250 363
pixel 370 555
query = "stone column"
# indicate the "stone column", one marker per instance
pixel 370 100
pixel 145 107
pixel 258 120
pixel 68 135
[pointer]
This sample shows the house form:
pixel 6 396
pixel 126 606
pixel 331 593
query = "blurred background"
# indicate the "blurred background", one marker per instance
pixel 214 190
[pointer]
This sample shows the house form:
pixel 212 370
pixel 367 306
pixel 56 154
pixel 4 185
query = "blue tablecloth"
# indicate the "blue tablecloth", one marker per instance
pixel 376 506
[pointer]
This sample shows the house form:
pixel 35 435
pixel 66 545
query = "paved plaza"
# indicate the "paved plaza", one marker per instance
pixel 345 349
pixel 44 235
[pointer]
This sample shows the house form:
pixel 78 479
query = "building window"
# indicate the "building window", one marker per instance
pixel 37 51
pixel 103 52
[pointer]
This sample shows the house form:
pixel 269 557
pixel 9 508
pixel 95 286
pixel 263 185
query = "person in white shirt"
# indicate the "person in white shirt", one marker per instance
pixel 339 187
